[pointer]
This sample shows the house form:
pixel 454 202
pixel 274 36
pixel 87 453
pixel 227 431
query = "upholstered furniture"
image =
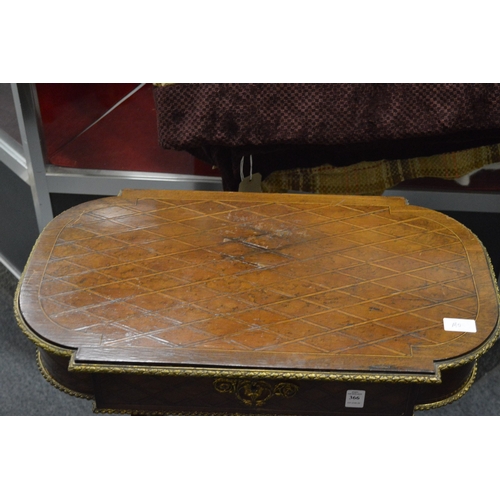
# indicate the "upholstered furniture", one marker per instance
pixel 333 138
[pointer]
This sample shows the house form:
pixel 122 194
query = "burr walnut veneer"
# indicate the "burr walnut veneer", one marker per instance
pixel 242 303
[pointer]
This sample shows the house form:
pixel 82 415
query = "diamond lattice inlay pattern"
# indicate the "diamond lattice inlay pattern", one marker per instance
pixel 283 281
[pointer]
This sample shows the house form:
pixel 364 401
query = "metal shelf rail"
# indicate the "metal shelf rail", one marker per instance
pixel 28 161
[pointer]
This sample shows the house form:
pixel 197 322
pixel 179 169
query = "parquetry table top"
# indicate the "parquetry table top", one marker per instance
pixel 252 281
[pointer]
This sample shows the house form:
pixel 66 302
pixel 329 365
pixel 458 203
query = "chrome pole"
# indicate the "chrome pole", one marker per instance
pixel 30 125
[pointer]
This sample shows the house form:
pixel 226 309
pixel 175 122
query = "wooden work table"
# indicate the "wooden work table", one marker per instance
pixel 175 302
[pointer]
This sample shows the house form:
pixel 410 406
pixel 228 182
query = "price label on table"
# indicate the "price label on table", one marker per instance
pixel 355 399
pixel 459 325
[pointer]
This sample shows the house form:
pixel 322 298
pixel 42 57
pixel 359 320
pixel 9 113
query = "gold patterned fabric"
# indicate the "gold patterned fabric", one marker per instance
pixel 374 177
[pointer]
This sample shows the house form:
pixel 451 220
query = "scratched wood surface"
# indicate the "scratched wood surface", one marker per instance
pixel 300 282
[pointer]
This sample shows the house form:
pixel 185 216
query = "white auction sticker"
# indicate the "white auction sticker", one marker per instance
pixel 459 325
pixel 355 399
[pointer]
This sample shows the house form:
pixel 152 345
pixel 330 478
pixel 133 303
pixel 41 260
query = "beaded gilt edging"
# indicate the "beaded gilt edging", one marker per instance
pixel 454 397
pixel 48 377
pixel 140 413
pixel 176 371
